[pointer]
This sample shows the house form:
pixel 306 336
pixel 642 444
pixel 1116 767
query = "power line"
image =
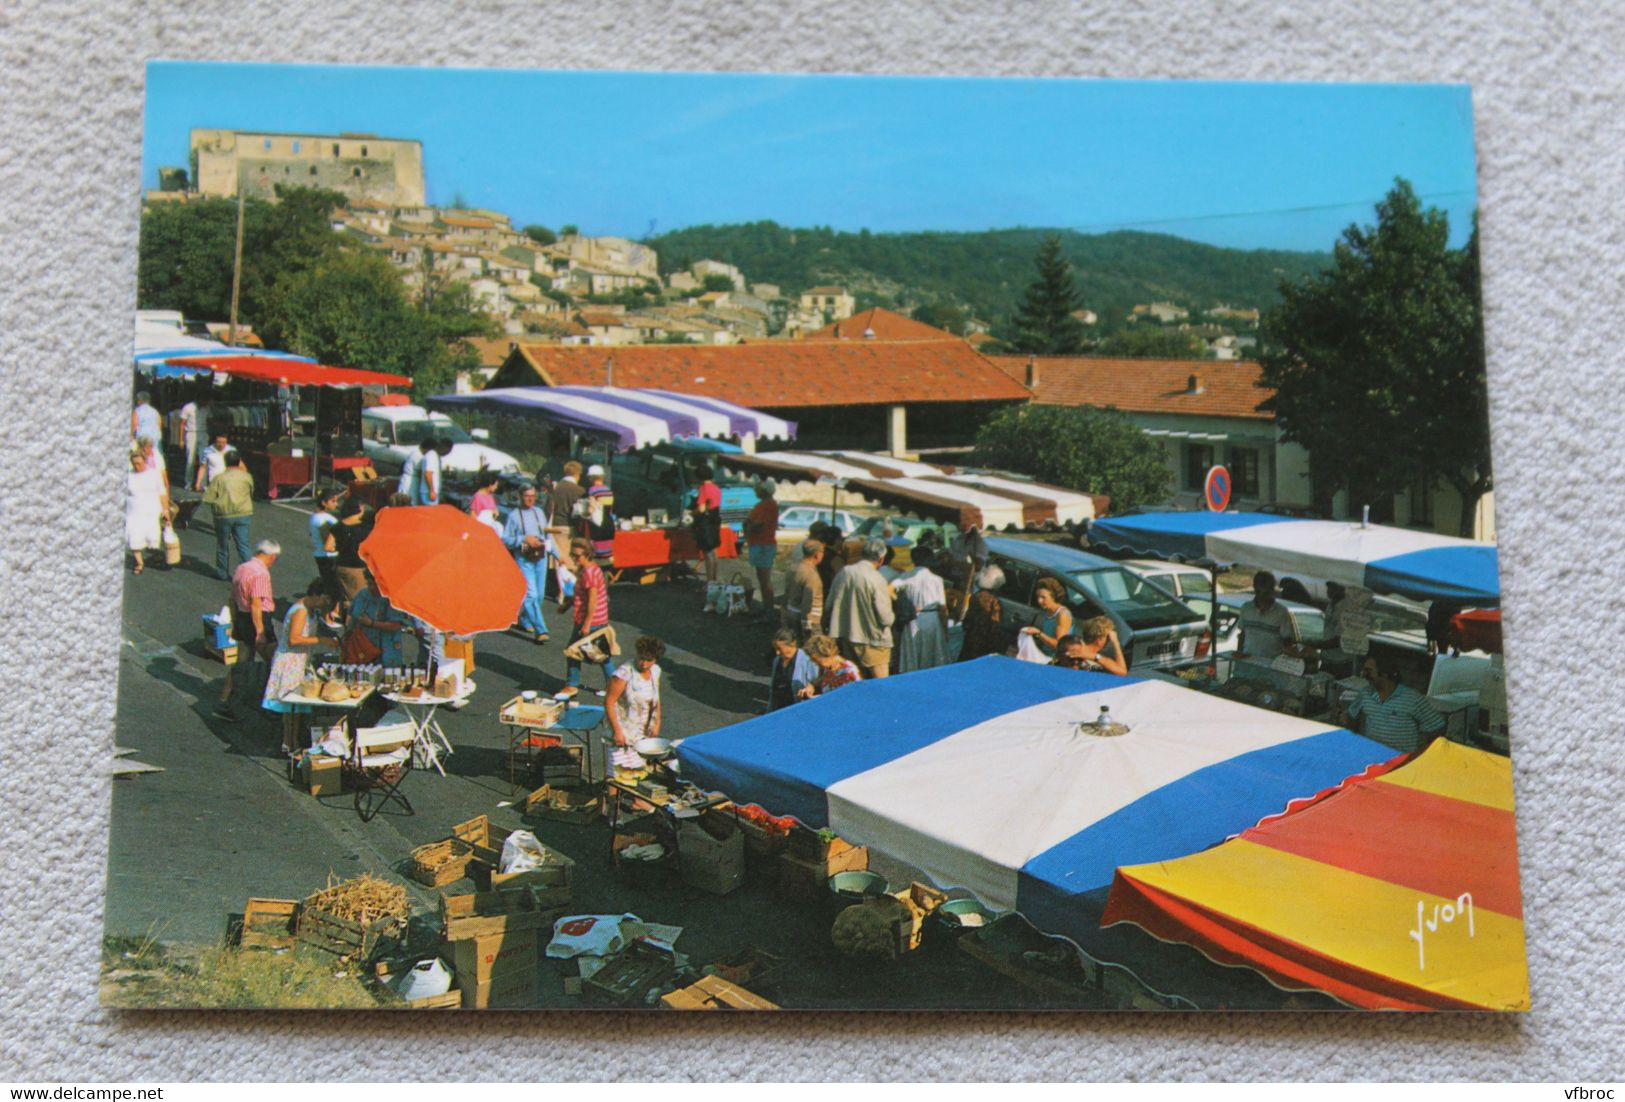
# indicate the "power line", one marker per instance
pixel 1093 226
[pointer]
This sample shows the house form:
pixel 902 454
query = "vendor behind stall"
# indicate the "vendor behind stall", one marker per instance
pixel 1391 713
pixel 1266 627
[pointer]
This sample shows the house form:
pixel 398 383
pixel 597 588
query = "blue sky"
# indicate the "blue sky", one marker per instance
pixel 1244 165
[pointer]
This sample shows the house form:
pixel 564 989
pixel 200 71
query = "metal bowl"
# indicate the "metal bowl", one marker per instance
pixel 653 749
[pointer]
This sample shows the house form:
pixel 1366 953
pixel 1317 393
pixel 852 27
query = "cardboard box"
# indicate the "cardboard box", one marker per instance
pixel 711 852
pixel 807 879
pixel 713 993
pixel 478 960
pixel 322 775
pixel 510 990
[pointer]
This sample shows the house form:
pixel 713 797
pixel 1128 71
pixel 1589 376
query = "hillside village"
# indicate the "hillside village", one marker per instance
pixel 571 288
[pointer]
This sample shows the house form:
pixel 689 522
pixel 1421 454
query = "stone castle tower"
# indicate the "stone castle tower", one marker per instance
pixel 359 166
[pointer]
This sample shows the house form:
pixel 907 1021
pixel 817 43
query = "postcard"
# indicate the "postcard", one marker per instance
pixel 683 541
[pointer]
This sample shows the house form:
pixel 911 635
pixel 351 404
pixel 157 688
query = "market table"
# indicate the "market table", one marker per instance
pixel 427 737
pixel 577 723
pixel 655 550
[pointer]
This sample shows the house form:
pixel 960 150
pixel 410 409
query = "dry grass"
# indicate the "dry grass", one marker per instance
pixel 140 973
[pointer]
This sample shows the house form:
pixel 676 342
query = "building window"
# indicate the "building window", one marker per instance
pixel 363 151
pixel 356 172
pixel 313 170
pixel 1244 471
pixel 1198 460
pixel 266 145
pixel 335 149
pixel 1421 496
pixel 296 145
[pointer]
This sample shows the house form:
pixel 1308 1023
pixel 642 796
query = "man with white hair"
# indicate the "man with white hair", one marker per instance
pixel 860 611
pixel 252 626
pixel 144 419
pixel 762 542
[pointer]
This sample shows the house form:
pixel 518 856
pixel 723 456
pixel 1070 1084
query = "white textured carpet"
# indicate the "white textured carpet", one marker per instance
pixel 1550 102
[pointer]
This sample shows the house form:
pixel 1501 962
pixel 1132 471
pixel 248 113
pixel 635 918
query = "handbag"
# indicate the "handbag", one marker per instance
pixel 357 650
pixel 582 650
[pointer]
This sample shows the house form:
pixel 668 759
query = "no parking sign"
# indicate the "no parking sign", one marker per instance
pixel 1216 489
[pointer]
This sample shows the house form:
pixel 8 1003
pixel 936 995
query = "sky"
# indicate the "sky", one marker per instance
pixel 1243 165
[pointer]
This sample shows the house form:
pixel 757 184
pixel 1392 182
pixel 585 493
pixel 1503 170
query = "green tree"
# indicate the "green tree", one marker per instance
pixel 717 283
pixel 1378 363
pixel 1152 342
pixel 569 229
pixel 540 234
pixel 1098 451
pixel 943 315
pixel 1043 320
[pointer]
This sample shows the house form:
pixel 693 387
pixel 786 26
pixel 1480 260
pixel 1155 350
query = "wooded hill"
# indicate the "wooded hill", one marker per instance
pixel 987 272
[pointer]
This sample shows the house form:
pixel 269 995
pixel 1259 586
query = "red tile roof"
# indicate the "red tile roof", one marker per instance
pixel 888 326
pixel 1229 388
pixel 492 350
pixel 778 375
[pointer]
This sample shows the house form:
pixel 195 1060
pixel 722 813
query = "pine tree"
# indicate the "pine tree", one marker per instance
pixel 1043 320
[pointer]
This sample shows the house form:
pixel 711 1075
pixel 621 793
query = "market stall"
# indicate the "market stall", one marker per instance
pixel 985 499
pixel 1398 891
pixel 249 396
pixel 621 419
pixel 1421 565
pixel 1000 777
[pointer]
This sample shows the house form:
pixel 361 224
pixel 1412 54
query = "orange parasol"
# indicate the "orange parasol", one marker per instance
pixel 444 567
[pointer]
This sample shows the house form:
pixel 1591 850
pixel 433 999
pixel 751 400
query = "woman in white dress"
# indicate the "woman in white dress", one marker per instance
pixel 923 641
pixel 633 700
pixel 145 505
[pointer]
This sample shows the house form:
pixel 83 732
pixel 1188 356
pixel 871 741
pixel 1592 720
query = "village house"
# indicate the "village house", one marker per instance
pixel 767 292
pixel 1163 312
pixel 609 256
pixel 1206 413
pixel 879 324
pixel 701 269
pixel 866 394
pixel 832 303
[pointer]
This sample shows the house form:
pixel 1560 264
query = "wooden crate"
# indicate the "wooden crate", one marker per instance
pixel 627 978
pixel 440 863
pixel 754 966
pixel 346 938
pixel 486 840
pixel 809 845
pixel 565 805
pixel 537 715
pixel 761 841
pixel 269 924
pixel 922 901
pixel 479 914
pixel 451 1000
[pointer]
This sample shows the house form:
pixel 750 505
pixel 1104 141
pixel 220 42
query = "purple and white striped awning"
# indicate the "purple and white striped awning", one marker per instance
pixel 985 499
pixel 632 418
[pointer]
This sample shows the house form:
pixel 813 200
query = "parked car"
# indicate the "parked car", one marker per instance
pixel 1395 622
pixel 1155 630
pixel 390 435
pixel 796 521
pixel 1190 584
pixel 910 528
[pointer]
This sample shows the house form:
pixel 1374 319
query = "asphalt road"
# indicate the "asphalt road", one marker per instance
pixel 221 823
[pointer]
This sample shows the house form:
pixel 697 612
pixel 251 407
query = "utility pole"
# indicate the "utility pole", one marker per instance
pixel 236 265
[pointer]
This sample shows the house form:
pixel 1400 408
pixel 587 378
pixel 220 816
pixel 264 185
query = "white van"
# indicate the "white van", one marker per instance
pixel 390 435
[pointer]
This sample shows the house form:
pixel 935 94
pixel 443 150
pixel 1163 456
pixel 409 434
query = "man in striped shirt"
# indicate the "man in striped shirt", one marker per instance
pixel 590 606
pixel 1395 715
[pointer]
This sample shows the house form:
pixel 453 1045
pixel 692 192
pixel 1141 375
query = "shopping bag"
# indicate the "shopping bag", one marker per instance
pixel 1027 650
pixel 172 546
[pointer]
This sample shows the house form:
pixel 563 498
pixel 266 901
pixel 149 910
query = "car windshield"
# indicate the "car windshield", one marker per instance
pixel 1140 604
pixel 1388 614
pixel 416 432
pixel 902 526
